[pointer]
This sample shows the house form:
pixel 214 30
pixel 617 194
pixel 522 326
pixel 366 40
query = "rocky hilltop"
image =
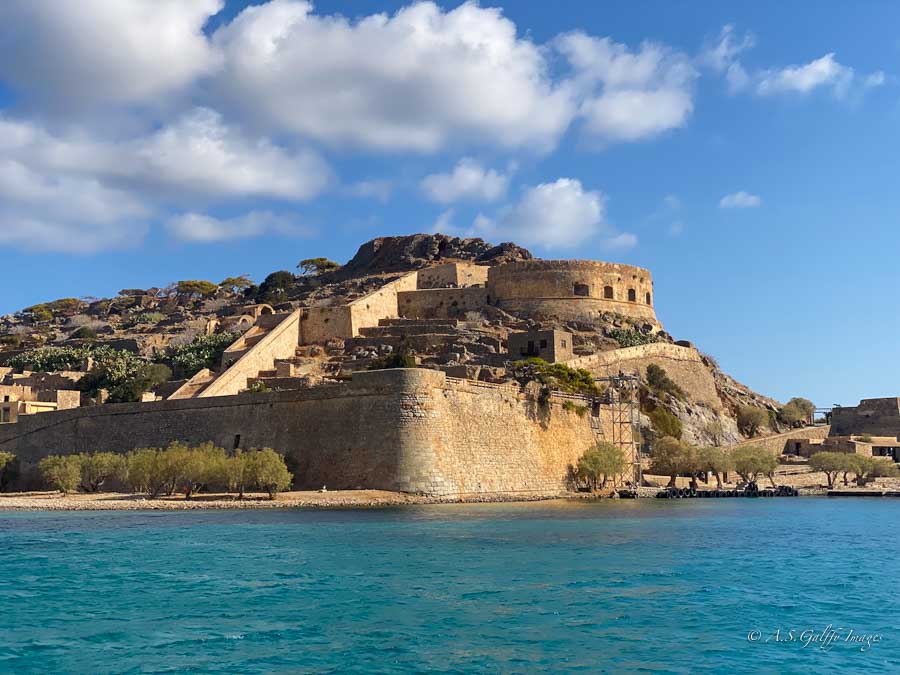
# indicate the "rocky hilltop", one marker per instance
pixel 184 326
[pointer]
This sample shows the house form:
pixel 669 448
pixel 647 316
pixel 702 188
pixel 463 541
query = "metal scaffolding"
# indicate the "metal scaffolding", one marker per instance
pixel 621 395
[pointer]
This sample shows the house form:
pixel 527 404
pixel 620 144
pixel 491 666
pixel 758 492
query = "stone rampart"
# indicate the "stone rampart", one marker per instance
pixel 683 365
pixel 778 443
pixel 441 303
pixel 406 429
pixel 873 417
pixel 572 289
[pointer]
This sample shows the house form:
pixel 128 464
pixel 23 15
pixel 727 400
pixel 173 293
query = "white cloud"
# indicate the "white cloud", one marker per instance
pixel 561 214
pixel 374 188
pixel 65 213
pixel 739 200
pixel 469 181
pixel 629 95
pixel 444 222
pixel 827 72
pixel 95 51
pixel 417 80
pixel 197 227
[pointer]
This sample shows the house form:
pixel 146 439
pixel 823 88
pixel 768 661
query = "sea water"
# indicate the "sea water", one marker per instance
pixel 763 585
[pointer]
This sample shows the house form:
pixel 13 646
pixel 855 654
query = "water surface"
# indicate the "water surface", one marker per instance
pixel 568 586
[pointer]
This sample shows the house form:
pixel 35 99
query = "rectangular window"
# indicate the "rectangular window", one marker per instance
pixel 563 343
pixel 543 344
pixel 237 441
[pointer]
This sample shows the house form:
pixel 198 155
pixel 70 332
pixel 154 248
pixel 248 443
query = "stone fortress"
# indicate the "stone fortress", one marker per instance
pixel 452 427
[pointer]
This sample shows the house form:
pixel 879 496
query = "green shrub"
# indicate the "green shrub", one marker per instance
pixel 266 470
pixel 571 406
pixel 61 472
pixel 556 376
pixel 84 333
pixel 604 459
pixel 205 351
pixel 402 357
pixel 627 337
pixel 665 423
pixel 660 382
pixel 99 468
pixel 751 420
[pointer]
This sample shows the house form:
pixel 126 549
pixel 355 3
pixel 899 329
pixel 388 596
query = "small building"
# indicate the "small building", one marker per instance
pixel 17 400
pixel 551 345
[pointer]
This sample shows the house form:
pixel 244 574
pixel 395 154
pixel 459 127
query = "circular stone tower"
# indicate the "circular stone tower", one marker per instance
pixel 572 289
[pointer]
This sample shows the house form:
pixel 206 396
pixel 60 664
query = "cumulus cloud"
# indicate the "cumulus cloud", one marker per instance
pixel 739 200
pixel 469 181
pixel 629 95
pixel 561 214
pixel 96 51
pixel 417 80
pixel 374 188
pixel 198 227
pixel 825 72
pixel 65 213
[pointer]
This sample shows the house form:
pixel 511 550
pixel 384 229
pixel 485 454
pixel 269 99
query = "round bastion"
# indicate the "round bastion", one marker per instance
pixel 572 289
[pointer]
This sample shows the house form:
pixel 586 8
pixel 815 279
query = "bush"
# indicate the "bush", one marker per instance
pixel 556 376
pixel 61 472
pixel 627 337
pixel 99 468
pixel 143 319
pixel 401 358
pixel 146 471
pixel 8 468
pixel 204 351
pixel 660 382
pixel 792 415
pixel 571 406
pixel 751 461
pixel 751 419
pixel 266 470
pixel 84 333
pixel 275 287
pixel 665 423
pixel 604 459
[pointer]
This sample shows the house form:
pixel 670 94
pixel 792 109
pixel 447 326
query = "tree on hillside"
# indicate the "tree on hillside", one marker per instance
pixel 751 419
pixel 192 288
pixel 660 382
pixel 236 284
pixel 61 472
pixel 275 287
pixel 715 430
pixel 804 404
pixel 792 415
pixel 665 423
pixel 312 266
pixel 752 461
pixel 604 459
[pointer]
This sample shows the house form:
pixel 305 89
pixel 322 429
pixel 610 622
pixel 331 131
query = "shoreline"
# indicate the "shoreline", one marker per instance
pixel 337 499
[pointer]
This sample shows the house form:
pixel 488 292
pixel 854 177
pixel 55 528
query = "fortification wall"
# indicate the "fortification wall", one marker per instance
pixel 279 343
pixel 683 364
pixel 405 429
pixel 873 416
pixel 441 303
pixel 320 324
pixel 452 274
pixel 777 443
pixel 572 289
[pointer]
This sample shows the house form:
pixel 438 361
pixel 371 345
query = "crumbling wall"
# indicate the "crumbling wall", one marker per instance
pixel 441 303
pixel 873 417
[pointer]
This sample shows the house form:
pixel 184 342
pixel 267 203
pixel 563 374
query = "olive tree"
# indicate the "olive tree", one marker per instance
pixel 751 420
pixel 831 464
pixel 267 471
pixel 604 459
pixel 100 467
pixel 714 460
pixel 61 472
pixel 671 457
pixel 146 471
pixel 752 461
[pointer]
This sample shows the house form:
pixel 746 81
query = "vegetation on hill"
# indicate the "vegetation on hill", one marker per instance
pixel 556 376
pixel 204 351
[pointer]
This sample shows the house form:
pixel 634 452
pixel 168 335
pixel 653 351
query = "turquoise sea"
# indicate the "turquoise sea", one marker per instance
pixel 649 586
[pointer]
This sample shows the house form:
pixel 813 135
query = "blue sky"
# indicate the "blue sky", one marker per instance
pixel 745 152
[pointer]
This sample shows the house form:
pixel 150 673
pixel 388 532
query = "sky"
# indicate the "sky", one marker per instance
pixel 746 153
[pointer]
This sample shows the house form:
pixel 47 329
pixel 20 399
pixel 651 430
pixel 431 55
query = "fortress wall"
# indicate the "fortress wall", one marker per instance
pixel 441 303
pixel 381 304
pixel 405 429
pixel 873 416
pixel 455 274
pixel 683 364
pixel 279 343
pixel 572 289
pixel 777 443
pixel 320 324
